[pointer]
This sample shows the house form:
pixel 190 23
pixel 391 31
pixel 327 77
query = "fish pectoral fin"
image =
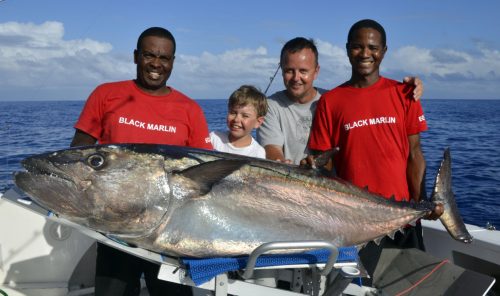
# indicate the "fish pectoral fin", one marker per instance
pixel 205 175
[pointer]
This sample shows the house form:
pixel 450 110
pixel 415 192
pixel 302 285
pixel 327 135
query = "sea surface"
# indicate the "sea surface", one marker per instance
pixel 470 128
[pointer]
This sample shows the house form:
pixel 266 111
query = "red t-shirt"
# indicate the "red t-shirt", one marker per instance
pixel 371 127
pixel 119 112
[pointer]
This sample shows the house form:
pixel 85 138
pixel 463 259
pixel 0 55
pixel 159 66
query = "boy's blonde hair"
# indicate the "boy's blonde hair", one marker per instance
pixel 248 94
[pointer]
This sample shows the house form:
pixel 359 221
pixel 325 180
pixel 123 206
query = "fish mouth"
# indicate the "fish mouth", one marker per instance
pixel 41 167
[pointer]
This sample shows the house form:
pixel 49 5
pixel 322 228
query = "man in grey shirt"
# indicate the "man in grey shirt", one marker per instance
pixel 285 131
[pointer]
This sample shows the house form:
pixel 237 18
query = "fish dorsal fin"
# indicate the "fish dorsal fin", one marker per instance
pixel 205 175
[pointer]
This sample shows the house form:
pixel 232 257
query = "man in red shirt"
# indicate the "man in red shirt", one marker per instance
pixel 376 126
pixel 144 110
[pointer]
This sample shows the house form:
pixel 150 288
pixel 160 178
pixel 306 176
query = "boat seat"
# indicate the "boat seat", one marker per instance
pixel 326 270
pixel 203 270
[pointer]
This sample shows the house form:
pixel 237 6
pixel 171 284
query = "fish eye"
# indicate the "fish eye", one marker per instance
pixel 96 161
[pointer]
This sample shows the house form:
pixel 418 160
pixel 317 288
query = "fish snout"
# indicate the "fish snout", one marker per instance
pixel 33 164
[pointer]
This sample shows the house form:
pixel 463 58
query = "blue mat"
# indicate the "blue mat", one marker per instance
pixel 203 270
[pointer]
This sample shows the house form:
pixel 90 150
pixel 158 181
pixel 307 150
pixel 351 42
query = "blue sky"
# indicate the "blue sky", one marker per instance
pixel 61 50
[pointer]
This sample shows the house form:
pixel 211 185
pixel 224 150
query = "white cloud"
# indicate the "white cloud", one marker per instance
pixel 450 73
pixel 334 65
pixel 216 76
pixel 36 61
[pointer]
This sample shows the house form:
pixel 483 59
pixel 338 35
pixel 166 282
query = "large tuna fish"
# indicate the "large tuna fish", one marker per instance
pixel 190 202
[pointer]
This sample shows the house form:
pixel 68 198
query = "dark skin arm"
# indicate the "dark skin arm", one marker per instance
pixel 82 139
pixel 415 175
pixel 415 170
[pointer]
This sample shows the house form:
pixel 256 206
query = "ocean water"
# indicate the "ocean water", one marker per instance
pixel 470 128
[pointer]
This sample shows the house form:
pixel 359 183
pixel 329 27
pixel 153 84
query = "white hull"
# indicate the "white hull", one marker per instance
pixel 41 257
pixel 484 248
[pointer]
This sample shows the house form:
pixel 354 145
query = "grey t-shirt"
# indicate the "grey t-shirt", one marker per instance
pixel 287 124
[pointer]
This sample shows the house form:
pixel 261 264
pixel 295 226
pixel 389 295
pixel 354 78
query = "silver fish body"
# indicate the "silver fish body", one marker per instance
pixel 191 202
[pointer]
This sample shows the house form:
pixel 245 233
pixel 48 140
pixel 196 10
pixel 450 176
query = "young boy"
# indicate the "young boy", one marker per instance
pixel 247 107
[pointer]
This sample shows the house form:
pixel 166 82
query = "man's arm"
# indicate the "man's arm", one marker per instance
pixel 275 152
pixel 415 174
pixel 82 139
pixel 415 170
pixel 419 86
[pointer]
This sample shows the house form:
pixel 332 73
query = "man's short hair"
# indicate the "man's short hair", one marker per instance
pixel 297 44
pixel 249 95
pixel 367 23
pixel 157 32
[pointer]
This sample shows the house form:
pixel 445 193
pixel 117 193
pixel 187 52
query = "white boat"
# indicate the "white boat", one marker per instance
pixel 40 256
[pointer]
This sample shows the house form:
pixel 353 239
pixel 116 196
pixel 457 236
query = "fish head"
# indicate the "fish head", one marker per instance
pixel 109 188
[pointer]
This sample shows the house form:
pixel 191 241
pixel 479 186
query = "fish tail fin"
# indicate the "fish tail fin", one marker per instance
pixel 443 194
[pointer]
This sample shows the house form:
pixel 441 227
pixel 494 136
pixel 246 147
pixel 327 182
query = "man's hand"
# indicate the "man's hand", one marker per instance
pixel 320 159
pixel 308 162
pixel 419 86
pixel 287 161
pixel 82 139
pixel 436 213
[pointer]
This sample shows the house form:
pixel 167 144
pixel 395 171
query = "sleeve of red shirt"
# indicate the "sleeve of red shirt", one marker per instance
pixel 91 116
pixel 415 118
pixel 199 137
pixel 320 138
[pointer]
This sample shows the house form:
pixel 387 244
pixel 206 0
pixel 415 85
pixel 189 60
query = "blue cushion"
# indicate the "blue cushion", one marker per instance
pixel 203 270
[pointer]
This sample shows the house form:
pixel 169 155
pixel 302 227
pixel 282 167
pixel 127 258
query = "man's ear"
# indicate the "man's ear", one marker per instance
pixel 316 72
pixel 136 57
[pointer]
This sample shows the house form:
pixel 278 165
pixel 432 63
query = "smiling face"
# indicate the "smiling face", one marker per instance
pixel 366 51
pixel 241 120
pixel 155 61
pixel 299 70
